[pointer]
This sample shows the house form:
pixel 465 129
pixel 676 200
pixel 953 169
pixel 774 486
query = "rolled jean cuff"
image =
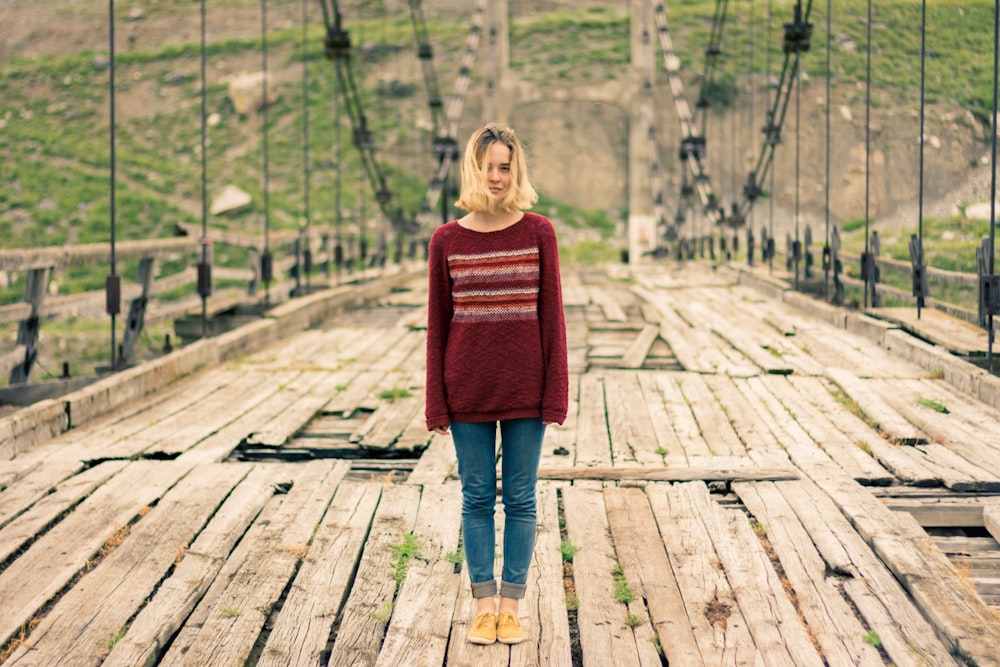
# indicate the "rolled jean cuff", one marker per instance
pixel 509 590
pixel 484 589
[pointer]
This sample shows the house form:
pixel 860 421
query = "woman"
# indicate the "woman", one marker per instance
pixel 496 353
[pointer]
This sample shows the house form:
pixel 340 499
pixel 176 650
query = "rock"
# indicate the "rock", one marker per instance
pixel 213 119
pixel 231 200
pixel 246 92
pixel 934 142
pixel 101 61
pixel 980 211
pixel 845 113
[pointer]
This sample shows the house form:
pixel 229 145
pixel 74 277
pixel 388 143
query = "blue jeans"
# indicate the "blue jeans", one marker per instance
pixel 521 448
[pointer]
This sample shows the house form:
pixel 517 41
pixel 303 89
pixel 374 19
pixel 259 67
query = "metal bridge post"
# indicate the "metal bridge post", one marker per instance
pixel 37 282
pixel 137 311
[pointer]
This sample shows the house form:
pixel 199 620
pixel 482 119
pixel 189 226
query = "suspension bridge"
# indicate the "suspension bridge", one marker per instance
pixel 751 472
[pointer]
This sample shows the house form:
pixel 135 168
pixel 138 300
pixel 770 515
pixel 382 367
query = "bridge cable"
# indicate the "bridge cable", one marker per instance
pixel 867 262
pixel 204 268
pixel 989 284
pixel 769 246
pixel 749 132
pixel 692 149
pixel 796 41
pixel 266 266
pixel 306 166
pixel 337 47
pixel 444 117
pixel 827 254
pixel 112 283
pixel 797 244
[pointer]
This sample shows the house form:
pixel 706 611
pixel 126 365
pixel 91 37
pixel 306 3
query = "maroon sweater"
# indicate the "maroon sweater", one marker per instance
pixel 496 333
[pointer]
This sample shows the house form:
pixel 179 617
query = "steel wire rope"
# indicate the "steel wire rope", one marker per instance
pixel 112 283
pixel 991 258
pixel 265 259
pixel 827 264
pixel 770 122
pixel 923 102
pixel 868 125
pixel 797 246
pixel 749 132
pixel 204 269
pixel 306 166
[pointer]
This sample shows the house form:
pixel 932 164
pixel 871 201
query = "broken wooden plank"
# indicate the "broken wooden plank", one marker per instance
pixel 302 630
pixel 56 557
pixel 887 419
pixel 716 620
pixel 604 634
pixel 832 621
pixel 646 566
pixel 369 605
pixel 683 474
pixel 636 353
pixel 159 621
pixel 96 611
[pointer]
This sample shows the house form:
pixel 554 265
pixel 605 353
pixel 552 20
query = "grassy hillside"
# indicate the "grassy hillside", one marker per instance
pixel 54 134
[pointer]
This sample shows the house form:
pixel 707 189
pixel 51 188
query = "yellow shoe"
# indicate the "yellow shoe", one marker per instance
pixel 509 629
pixel 484 629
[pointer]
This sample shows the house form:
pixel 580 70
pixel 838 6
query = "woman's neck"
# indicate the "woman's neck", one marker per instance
pixel 482 221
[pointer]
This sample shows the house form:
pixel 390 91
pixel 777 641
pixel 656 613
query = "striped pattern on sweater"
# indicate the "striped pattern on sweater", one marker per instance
pixel 495 286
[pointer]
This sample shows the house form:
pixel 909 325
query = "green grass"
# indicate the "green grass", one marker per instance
pixel 930 403
pixel 568 551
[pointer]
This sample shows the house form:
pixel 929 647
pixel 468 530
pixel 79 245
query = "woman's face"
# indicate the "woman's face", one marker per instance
pixel 498 173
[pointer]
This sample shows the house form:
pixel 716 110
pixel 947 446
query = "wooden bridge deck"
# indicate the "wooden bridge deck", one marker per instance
pixel 742 485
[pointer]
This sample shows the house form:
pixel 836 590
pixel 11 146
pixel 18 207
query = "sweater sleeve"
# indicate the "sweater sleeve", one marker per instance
pixel 439 312
pixel 555 399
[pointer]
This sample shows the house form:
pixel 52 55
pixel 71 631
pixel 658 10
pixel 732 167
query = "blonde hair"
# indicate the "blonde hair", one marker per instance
pixel 475 195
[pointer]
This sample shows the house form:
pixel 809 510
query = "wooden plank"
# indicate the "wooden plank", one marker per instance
pixel 437 464
pixel 646 566
pixel 152 630
pixel 97 609
pixel 55 558
pixel 31 519
pixel 963 511
pixel 681 417
pixel 991 520
pixel 831 620
pixel 302 630
pixel 636 353
pixel 716 620
pixel 683 474
pixel 310 392
pixel 231 615
pixel 604 635
pixel 888 420
pixel 610 306
pixel 593 443
pixel 422 616
pixel 183 430
pixel 971 440
pixel 668 444
pixel 777 631
pixel 560 441
pixel 884 605
pixel 347 402
pixel 633 442
pixel 369 605
pixel 954 610
pixel 860 465
pixel 713 423
pixel 551 647
pixel 760 443
pixel 674 331
pixel 906 463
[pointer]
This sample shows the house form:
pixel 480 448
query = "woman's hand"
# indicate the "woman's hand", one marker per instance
pixel 441 430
